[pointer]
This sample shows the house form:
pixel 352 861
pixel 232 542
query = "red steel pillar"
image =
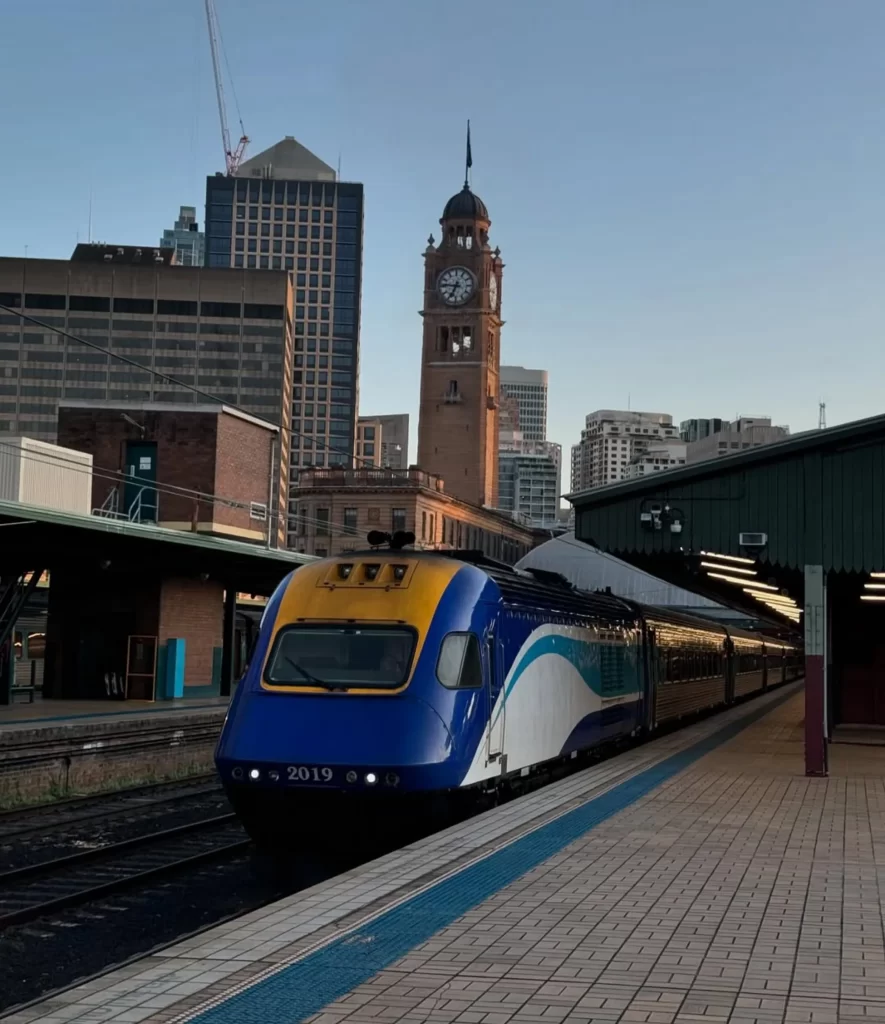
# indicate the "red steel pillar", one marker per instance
pixel 815 671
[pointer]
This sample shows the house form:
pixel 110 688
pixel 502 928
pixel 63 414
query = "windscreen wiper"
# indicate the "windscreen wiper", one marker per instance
pixel 311 678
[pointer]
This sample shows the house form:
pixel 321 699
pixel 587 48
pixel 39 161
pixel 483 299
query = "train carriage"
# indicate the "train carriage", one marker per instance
pixel 403 674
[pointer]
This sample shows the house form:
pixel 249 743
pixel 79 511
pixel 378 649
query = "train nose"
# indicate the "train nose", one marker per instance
pixel 335 729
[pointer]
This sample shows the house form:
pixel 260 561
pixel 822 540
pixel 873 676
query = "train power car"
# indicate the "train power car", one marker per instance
pixel 389 677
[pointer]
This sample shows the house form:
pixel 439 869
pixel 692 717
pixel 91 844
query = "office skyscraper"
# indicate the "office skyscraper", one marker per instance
pixel 186 239
pixel 285 210
pixel 528 388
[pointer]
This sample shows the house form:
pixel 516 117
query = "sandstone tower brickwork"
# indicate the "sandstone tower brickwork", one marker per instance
pixel 461 354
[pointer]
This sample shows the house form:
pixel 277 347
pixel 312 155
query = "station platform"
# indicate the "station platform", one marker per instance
pixel 701 878
pixel 59 748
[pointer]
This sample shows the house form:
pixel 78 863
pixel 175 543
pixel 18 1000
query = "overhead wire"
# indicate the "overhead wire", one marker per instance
pixel 292 432
pixel 118 476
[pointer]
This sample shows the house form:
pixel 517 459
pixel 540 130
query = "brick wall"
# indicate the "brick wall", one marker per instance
pixel 185 452
pixel 242 470
pixel 200 454
pixel 193 610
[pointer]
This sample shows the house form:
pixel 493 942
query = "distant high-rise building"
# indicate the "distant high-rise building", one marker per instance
pixel 657 457
pixel 186 239
pixel 529 482
pixel 697 430
pixel 529 389
pixel 611 439
pixel 285 210
pixel 509 434
pixel 383 441
pixel 529 467
pixel 575 476
pixel 746 432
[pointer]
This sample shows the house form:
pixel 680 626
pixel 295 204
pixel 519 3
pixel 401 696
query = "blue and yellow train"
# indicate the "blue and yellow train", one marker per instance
pixel 401 674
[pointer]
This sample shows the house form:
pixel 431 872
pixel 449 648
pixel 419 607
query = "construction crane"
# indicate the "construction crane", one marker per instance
pixel 232 157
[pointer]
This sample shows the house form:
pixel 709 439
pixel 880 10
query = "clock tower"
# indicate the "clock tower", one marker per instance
pixel 461 354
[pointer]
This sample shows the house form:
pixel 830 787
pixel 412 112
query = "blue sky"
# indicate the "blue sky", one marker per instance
pixel 689 196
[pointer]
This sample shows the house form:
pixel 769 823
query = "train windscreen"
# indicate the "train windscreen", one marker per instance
pixel 341 658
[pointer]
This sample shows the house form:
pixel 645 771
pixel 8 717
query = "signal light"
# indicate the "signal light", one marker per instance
pixel 344 571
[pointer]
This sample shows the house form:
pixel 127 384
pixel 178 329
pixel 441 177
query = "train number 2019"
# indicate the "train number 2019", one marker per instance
pixel 303 774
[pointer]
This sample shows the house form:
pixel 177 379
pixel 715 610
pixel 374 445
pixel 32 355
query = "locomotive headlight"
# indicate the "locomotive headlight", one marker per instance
pixel 254 774
pixel 399 572
pixel 351 777
pixel 273 775
pixel 392 779
pixel 371 778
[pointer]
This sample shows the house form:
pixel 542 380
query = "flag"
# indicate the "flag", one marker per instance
pixel 469 151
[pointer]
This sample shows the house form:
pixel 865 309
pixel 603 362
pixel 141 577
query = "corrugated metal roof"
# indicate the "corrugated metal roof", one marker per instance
pixel 818 496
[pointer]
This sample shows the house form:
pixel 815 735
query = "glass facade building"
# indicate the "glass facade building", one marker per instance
pixel 528 388
pixel 313 229
pixel 186 239
pixel 528 482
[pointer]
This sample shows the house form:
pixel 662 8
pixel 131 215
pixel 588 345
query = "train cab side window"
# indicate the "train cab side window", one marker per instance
pixel 459 666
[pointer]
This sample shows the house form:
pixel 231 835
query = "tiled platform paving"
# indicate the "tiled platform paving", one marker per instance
pixel 737 891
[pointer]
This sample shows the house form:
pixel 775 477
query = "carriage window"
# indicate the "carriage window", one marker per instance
pixel 459 666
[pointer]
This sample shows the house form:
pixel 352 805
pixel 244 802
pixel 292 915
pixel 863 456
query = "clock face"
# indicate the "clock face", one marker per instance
pixel 493 292
pixel 455 286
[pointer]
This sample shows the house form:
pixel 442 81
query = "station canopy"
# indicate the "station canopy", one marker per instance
pixel 44 539
pixel 740 530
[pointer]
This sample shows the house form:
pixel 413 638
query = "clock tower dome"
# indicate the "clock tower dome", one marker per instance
pixel 461 353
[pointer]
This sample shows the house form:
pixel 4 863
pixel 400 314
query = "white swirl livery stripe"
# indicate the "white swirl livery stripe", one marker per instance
pixel 555 683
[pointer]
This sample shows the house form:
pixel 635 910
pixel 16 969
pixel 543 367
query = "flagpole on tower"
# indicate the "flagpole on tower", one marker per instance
pixel 469 160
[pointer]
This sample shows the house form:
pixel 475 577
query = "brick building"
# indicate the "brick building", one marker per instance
pixel 90 643
pixel 227 332
pixel 205 468
pixel 338 508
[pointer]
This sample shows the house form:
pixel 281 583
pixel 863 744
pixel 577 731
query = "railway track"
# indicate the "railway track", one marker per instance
pixel 17 821
pixel 37 890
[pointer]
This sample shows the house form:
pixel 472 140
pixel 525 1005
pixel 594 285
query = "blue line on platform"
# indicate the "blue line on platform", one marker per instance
pixel 305 987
